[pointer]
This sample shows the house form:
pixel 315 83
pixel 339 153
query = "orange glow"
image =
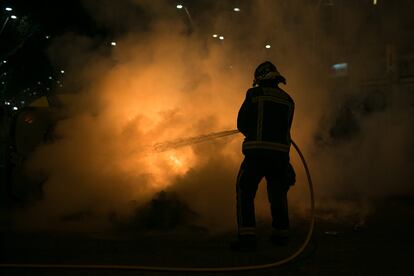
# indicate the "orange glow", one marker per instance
pixel 177 162
pixel 163 167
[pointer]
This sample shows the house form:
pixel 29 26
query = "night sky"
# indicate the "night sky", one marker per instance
pixel 25 41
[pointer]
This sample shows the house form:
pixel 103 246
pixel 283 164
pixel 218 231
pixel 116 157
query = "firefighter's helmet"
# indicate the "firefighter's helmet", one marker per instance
pixel 267 71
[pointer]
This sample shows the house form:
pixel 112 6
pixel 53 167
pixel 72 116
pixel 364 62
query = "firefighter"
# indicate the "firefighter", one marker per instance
pixel 265 119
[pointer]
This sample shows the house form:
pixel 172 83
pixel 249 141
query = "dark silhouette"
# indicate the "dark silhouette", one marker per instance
pixel 265 119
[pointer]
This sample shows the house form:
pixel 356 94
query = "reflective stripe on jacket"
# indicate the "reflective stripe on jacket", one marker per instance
pixel 265 118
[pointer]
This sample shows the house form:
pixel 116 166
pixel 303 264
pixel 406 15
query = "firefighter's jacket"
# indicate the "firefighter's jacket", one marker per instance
pixel 265 118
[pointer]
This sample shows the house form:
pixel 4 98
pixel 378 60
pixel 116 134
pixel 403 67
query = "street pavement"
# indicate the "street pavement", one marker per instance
pixel 382 245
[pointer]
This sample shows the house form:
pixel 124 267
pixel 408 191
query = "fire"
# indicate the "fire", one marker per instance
pixel 177 162
pixel 161 168
pixel 164 167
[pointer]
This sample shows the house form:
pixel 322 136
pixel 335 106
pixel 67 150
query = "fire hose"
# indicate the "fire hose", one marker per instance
pixel 180 143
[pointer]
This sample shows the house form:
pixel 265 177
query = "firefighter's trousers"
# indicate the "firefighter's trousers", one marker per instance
pixel 274 168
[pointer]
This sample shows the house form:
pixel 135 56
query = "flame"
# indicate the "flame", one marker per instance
pixel 177 162
pixel 152 108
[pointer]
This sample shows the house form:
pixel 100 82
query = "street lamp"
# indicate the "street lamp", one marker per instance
pixel 181 6
pixel 236 9
pixel 7 9
pixel 268 46
pixel 7 20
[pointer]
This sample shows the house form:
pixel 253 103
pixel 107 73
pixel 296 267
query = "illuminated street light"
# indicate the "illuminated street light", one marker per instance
pixel 47 37
pixel 15 108
pixel 7 103
pixel 8 9
pixel 62 71
pixel 180 6
pixel 268 46
pixel 221 37
pixel 236 9
pixel 215 35
pixel 113 43
pixel 4 61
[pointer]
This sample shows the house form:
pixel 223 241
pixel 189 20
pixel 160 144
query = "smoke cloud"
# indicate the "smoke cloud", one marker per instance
pixel 167 79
